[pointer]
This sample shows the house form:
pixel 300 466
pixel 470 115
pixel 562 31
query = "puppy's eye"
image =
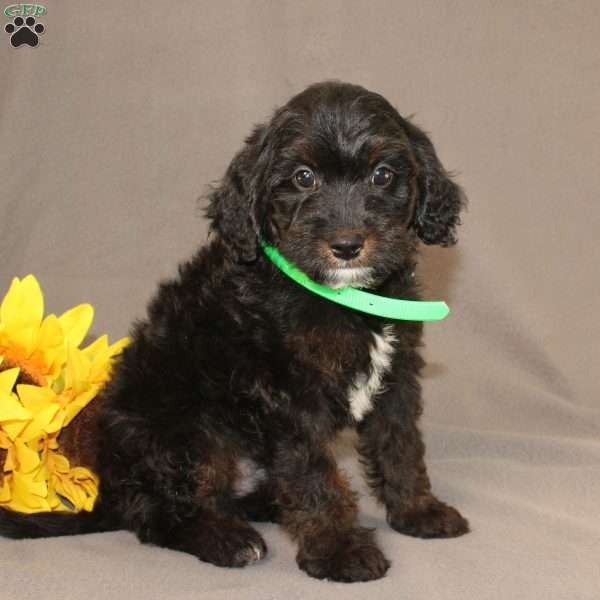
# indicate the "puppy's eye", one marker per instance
pixel 382 177
pixel 304 179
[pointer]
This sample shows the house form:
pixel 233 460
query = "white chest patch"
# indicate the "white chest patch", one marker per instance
pixel 365 387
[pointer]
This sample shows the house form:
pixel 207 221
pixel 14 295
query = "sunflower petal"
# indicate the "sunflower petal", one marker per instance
pixel 44 422
pixel 13 428
pixel 100 354
pixel 51 333
pixel 24 339
pixel 82 473
pixel 79 403
pixel 76 322
pixel 8 379
pixel 96 346
pixel 78 371
pixel 35 398
pixel 60 463
pixel 29 493
pixel 118 346
pixel 28 459
pixel 89 503
pixel 23 305
pixel 12 410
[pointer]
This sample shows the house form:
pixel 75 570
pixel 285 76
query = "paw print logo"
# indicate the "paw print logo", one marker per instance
pixel 24 31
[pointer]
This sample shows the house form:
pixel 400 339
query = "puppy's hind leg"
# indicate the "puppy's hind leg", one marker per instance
pixel 188 506
pixel 221 536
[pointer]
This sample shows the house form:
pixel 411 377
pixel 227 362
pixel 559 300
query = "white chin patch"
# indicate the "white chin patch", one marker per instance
pixel 358 277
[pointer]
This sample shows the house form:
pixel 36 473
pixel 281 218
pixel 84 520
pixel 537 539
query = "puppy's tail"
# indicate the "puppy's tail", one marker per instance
pixel 50 524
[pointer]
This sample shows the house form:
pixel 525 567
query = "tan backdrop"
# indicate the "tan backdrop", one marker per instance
pixel 112 127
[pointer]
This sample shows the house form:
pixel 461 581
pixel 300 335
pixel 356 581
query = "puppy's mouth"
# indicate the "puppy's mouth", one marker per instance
pixel 350 270
pixel 322 265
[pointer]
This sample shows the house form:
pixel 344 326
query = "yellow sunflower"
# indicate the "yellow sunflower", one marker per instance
pixel 45 381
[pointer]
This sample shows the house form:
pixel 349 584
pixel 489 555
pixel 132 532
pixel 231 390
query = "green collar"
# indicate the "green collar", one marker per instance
pixel 380 306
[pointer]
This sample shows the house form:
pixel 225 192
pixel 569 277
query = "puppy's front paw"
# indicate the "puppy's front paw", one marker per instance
pixel 355 558
pixel 429 518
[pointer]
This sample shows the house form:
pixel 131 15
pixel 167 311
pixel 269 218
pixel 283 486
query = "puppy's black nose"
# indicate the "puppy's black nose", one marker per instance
pixel 347 247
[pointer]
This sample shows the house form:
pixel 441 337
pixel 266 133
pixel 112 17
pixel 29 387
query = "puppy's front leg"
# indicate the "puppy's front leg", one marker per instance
pixel 393 455
pixel 319 510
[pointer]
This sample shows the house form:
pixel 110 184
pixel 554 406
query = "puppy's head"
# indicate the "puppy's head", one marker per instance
pixel 341 184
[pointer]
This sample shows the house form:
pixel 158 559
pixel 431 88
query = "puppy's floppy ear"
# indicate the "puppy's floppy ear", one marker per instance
pixel 233 204
pixel 440 200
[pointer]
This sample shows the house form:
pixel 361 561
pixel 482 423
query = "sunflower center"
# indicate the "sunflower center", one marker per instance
pixel 28 374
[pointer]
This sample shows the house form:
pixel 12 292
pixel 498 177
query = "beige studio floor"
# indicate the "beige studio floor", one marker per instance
pixel 112 127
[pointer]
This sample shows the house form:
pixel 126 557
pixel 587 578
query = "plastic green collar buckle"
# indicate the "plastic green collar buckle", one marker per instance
pixel 380 306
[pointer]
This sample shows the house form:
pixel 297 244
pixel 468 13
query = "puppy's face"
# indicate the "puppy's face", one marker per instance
pixel 341 184
pixel 342 188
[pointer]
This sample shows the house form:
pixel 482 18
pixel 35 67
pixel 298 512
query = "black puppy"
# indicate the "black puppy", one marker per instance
pixel 222 409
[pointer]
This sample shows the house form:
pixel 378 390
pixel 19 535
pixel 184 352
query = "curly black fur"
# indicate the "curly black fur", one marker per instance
pixel 223 407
